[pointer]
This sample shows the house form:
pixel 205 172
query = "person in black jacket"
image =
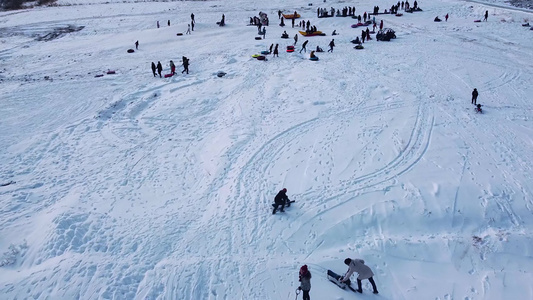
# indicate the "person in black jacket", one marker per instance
pixel 280 199
pixel 474 96
pixel 153 68
pixel 331 45
pixel 185 65
pixel 276 52
pixel 159 68
pixel 304 49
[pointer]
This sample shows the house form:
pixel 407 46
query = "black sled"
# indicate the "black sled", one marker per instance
pixel 287 204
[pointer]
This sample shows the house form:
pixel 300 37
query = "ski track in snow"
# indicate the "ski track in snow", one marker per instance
pixel 162 189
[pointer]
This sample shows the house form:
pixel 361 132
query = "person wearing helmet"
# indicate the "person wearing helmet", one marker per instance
pixel 280 199
pixel 358 265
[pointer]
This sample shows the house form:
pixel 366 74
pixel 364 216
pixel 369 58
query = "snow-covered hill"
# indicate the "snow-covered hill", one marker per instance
pixel 129 186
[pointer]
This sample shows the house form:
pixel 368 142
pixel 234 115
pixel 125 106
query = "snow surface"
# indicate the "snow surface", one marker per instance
pixel 128 186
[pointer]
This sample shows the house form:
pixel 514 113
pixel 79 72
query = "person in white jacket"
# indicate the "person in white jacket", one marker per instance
pixel 358 265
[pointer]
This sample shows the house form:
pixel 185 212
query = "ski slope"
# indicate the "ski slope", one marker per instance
pixel 130 186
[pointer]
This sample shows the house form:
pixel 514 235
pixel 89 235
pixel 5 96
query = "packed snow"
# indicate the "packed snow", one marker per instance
pixel 130 186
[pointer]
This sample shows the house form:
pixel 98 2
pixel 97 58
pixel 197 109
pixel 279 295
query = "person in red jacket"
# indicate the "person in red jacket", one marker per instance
pixel 172 68
pixel 305 282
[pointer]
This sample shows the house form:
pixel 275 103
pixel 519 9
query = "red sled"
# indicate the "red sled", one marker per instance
pixel 168 75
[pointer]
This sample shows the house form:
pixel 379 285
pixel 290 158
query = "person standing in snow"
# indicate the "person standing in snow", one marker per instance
pixel 188 29
pixel 474 96
pixel 185 65
pixel 304 49
pixel 276 52
pixel 331 45
pixel 153 68
pixel 295 39
pixel 168 22
pixel 358 265
pixel 137 45
pixel 172 68
pixel 281 198
pixel 159 68
pixel 157 24
pixel 192 17
pixel 446 17
pixel 305 282
pixel 486 15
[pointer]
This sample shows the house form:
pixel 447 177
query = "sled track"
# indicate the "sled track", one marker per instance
pixel 258 209
pixel 412 153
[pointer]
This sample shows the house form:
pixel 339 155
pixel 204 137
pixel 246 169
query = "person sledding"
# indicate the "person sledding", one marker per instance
pixel 478 108
pixel 358 265
pixel 281 199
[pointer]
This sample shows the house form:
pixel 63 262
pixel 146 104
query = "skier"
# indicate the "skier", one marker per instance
pixel 281 198
pixel 358 265
pixel 153 68
pixel 276 53
pixel 137 45
pixel 185 65
pixel 331 45
pixel 172 68
pixel 159 68
pixel 474 96
pixel 303 46
pixel 486 15
pixel 305 282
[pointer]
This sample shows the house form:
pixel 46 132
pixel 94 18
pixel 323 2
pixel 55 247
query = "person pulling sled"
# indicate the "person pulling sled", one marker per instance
pixel 358 265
